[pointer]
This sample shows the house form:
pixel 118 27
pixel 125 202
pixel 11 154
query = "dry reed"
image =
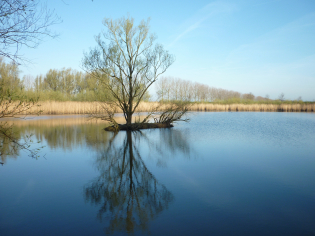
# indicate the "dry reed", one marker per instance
pixel 63 108
pixel 254 107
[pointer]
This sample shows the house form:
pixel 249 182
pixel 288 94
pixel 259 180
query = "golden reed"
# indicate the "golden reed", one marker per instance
pixel 254 107
pixel 63 108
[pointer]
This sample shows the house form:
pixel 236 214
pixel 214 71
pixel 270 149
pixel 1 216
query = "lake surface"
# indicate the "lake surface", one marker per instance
pixel 221 174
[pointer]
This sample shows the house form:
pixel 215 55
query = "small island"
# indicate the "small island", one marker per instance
pixel 138 126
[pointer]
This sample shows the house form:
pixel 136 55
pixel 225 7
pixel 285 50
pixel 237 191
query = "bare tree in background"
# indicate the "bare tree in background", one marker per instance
pixel 162 87
pixel 281 97
pixel 23 23
pixel 248 96
pixel 176 89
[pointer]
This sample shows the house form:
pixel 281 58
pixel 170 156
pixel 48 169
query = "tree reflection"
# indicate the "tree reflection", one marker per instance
pixel 168 143
pixel 12 141
pixel 67 134
pixel 7 148
pixel 128 193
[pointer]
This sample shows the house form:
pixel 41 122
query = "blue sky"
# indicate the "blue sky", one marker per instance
pixel 263 47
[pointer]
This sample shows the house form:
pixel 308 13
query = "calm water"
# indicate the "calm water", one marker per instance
pixel 220 174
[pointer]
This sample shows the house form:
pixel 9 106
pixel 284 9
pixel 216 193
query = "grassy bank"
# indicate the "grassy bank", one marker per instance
pixel 60 108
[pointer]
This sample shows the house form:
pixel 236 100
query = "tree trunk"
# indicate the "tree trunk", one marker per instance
pixel 129 109
pixel 129 118
pixel 129 141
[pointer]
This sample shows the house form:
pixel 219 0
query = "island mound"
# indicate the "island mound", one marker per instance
pixel 137 126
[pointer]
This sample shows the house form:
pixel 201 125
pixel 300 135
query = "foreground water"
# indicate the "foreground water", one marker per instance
pixel 220 174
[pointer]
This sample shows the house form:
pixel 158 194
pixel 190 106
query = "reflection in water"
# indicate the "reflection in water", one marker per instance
pixel 65 133
pixel 68 133
pixel 168 143
pixel 11 142
pixel 128 193
pixel 5 146
pixel 254 177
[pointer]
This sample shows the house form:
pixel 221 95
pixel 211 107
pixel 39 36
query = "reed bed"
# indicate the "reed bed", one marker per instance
pixel 71 107
pixel 63 108
pixel 254 107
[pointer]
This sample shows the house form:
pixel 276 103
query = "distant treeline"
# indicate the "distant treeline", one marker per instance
pixel 176 89
pixel 71 85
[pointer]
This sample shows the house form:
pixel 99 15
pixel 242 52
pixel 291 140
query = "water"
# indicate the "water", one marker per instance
pixel 220 174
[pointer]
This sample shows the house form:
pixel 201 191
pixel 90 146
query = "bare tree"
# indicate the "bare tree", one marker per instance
pixel 23 23
pixel 162 88
pixel 281 97
pixel 127 62
pixel 27 82
pixel 249 96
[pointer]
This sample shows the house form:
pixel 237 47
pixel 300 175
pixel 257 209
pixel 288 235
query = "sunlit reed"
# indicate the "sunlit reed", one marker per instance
pixel 71 107
pixel 254 107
